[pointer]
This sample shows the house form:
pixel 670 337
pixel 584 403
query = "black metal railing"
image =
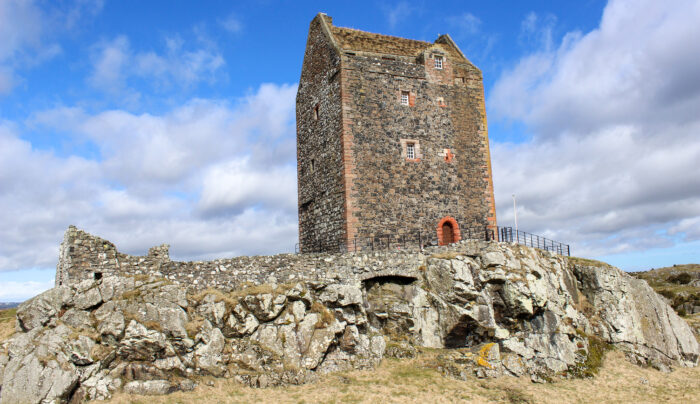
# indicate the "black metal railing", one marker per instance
pixel 420 240
pixel 507 234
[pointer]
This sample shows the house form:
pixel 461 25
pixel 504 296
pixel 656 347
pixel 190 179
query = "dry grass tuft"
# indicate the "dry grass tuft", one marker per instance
pixel 7 323
pixel 447 255
pixel 586 262
pixel 193 326
pixel 326 317
pixel 413 381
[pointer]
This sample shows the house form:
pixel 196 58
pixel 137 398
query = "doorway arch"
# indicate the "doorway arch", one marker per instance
pixel 448 231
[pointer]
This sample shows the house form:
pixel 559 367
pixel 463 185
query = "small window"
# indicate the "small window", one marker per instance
pixel 404 97
pixel 441 102
pixel 411 151
pixel 316 113
pixel 438 62
pixel 313 165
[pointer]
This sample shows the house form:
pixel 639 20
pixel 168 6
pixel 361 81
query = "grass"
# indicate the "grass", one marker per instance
pixel 325 316
pixel 447 255
pixel 7 323
pixel 414 381
pixel 232 298
pixel 597 350
pixel 587 262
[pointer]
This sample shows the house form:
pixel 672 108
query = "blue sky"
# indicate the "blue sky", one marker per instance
pixel 166 121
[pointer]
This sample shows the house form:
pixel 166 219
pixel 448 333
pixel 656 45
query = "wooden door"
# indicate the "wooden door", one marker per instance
pixel 447 233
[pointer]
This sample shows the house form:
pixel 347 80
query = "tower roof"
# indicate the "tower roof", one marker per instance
pixel 349 39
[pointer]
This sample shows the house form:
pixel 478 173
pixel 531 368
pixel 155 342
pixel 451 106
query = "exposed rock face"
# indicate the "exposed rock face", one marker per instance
pixel 501 309
pixel 632 315
pixel 680 285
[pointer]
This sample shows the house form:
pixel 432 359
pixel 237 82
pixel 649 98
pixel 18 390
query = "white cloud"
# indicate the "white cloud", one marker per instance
pixel 20 30
pixel 232 24
pixel 28 31
pixel 109 64
pixel 538 30
pixel 613 114
pixel 235 185
pixel 465 24
pixel 116 65
pixel 193 177
pixel 398 13
pixel 13 291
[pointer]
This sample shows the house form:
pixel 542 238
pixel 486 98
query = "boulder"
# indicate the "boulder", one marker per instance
pixel 631 315
pixel 150 387
pixel 39 310
pixel 141 344
pixel 265 306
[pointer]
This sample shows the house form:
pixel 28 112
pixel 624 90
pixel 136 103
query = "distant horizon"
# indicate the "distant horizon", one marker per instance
pixel 15 303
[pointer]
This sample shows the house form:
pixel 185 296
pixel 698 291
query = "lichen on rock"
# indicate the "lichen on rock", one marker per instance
pixel 492 309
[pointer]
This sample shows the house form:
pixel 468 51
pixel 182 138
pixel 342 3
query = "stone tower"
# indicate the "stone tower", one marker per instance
pixel 392 142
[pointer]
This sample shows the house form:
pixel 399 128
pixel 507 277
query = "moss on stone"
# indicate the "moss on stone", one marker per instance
pixel 597 348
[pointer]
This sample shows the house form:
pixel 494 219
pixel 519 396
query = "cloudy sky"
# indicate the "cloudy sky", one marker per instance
pixel 161 121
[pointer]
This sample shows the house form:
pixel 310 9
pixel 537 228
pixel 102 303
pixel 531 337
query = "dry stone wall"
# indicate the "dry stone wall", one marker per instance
pixel 86 257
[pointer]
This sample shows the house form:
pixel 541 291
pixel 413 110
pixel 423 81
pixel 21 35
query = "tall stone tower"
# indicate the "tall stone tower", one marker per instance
pixel 392 141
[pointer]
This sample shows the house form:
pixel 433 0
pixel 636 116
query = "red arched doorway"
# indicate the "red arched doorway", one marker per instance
pixel 448 231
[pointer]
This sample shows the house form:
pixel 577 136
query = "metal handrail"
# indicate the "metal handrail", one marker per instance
pixel 420 240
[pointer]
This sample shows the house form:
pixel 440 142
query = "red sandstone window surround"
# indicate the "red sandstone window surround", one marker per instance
pixel 404 97
pixel 410 150
pixel 438 62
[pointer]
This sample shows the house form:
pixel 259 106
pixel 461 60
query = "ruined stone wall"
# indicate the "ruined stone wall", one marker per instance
pixel 84 256
pixel 319 149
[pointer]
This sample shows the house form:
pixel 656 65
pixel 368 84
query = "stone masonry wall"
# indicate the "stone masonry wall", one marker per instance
pixel 84 256
pixel 355 178
pixel 395 195
pixel 319 153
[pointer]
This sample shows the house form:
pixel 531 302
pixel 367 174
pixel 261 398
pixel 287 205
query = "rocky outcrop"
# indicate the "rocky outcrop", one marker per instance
pixel 147 336
pixel 496 309
pixel 680 286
